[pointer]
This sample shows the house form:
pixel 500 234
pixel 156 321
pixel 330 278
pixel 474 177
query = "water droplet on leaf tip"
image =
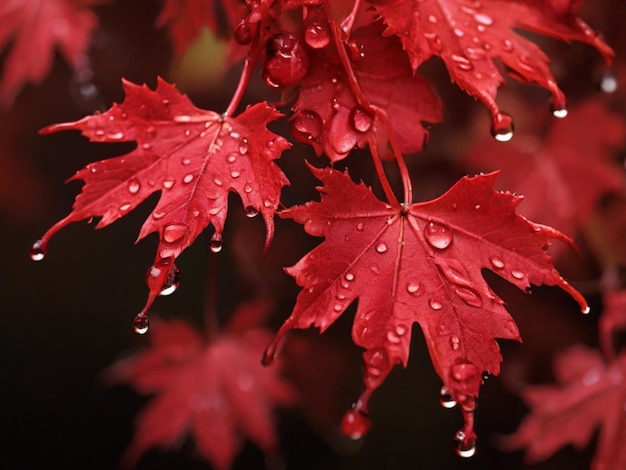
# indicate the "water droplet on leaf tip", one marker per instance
pixel 251 211
pixel 586 310
pixel 216 244
pixel 38 251
pixel 446 399
pixel 502 127
pixel 141 323
pixel 465 448
pixel 172 282
pixel 355 424
pixel 559 111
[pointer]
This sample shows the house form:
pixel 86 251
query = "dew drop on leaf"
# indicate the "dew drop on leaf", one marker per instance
pixel 133 186
pixel 462 62
pixel 115 136
pixel 243 146
pixel 517 274
pixel 173 233
pixel 413 288
pixel 307 126
pixel 251 211
pixel 317 35
pixel 438 236
pixel 168 183
pixel 188 178
pixel 360 226
pixel 38 251
pixel 349 277
pixel 243 34
pixel 496 262
pixel 381 247
pixel 141 323
pixel 435 304
pixel 469 296
pixel 454 342
pixel 483 19
pixel 361 120
pixel 355 424
pixel 445 398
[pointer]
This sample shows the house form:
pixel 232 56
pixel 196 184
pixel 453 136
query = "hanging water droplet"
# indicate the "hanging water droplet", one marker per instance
pixel 168 183
pixel 251 211
pixel 435 304
pixel 355 424
pixel 465 447
pixel 438 236
pixel 317 35
pixel 496 262
pixel 361 120
pixel 381 247
pixel 38 251
pixel 608 82
pixel 502 127
pixel 174 232
pixel 446 399
pixel 172 282
pixel 586 310
pixel 559 110
pixel 216 244
pixel 141 323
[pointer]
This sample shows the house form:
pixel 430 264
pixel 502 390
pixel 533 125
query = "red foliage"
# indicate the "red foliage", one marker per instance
pixel 36 28
pixel 419 263
pixel 564 175
pixel 215 391
pixel 590 394
pixel 468 35
pixel 192 156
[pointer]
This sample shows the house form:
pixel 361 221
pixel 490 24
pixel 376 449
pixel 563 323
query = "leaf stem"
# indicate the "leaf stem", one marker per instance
pixel 348 22
pixel 248 66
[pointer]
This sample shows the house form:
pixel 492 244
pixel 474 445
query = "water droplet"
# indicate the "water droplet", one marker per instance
pixel 608 82
pixel 381 247
pixel 337 307
pixel 438 236
pixel 218 182
pixel 251 211
pixel 243 146
pixel 125 207
pixel 559 111
pixel 168 183
pixel 476 53
pixel 174 232
pixel 360 226
pixel 413 288
pixel 172 282
pixel 445 398
pixel 38 251
pixel 349 277
pixel 375 268
pixel 361 121
pixel 469 296
pixel 392 337
pixel 517 274
pixel 133 186
pixel 465 447
pixel 484 19
pixel 157 215
pixel 115 136
pixel 401 330
pixel 267 203
pixel 182 118
pixel 215 210
pixel 307 126
pixel 454 342
pixel 216 244
pixel 235 174
pixel 99 132
pixel 458 32
pixel 462 62
pixel 502 127
pixel 188 179
pixel 435 304
pixel 185 161
pixel 151 131
pixel 355 424
pixel 146 146
pixel 586 310
pixel 507 45
pixel 141 323
pixel 247 188
pixel 317 35
pixel 231 158
pixel 496 262
pixel 243 33
pixel 432 18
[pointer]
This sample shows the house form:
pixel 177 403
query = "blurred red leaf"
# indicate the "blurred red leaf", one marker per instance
pixel 216 392
pixel 590 394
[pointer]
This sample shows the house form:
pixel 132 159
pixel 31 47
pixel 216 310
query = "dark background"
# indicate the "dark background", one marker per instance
pixel 65 319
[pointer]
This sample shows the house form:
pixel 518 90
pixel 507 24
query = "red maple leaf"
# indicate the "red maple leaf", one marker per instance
pixel 187 18
pixel 327 115
pixel 567 173
pixel 192 156
pixel 612 321
pixel 35 28
pixel 590 394
pixel 469 35
pixel 418 263
pixel 217 392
